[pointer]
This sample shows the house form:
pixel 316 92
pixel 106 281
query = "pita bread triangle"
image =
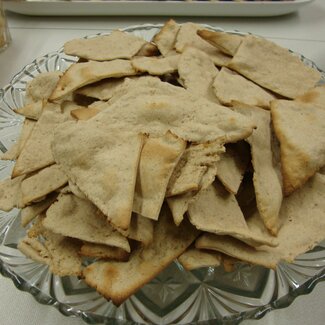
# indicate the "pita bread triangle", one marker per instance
pixel 194 258
pixel 84 148
pixel 155 107
pixel 300 128
pixel 85 73
pixel 36 153
pixel 273 67
pixel 303 226
pixel 144 264
pixel 267 183
pixel 43 182
pixel 229 86
pixel 158 159
pixel 26 131
pixel 77 218
pixel 217 211
pixel 104 47
pixel 166 37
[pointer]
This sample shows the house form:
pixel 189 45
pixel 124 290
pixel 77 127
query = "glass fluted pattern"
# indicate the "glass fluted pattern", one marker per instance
pixel 203 296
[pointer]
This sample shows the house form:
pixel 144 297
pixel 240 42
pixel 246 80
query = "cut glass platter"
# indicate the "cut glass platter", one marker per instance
pixel 208 295
pixel 155 7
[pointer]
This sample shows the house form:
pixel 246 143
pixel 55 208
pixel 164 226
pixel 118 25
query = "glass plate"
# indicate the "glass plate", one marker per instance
pixel 206 295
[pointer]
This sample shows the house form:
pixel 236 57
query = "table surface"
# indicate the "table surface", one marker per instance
pixel 33 37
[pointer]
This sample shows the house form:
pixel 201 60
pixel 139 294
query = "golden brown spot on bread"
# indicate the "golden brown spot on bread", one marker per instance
pixel 309 97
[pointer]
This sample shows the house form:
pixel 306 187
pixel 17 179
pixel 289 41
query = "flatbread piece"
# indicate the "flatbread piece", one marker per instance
pixel 273 67
pixel 300 128
pixel 117 281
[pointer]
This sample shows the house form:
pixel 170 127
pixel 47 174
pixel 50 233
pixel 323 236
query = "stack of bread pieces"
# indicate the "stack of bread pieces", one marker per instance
pixel 199 145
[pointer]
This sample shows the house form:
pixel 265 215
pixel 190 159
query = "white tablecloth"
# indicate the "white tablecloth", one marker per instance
pixel 302 32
